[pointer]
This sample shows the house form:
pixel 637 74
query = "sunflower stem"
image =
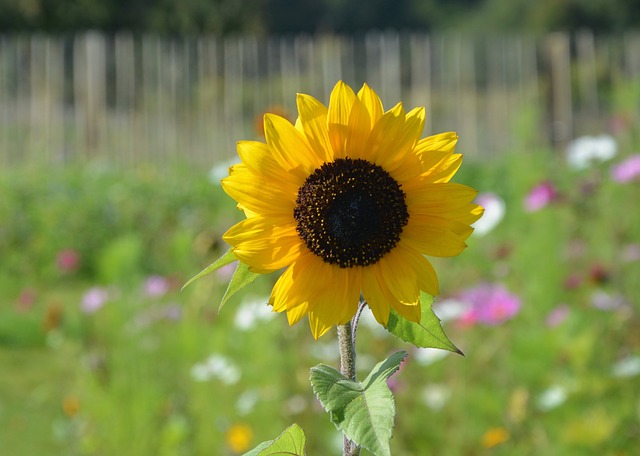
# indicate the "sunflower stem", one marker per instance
pixel 346 342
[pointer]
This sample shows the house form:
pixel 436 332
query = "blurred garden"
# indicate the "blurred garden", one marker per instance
pixel 112 148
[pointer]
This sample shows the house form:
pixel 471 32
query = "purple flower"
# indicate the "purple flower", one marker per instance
pixel 94 299
pixel 540 196
pixel 627 170
pixel 489 304
pixel 156 286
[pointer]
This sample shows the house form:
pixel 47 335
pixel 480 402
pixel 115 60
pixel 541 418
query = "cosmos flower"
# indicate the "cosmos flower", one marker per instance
pixel 628 170
pixel 557 315
pixel 156 286
pixel 94 299
pixel 68 261
pixel 489 305
pixel 540 196
pixel 494 209
pixel 348 200
pixel 584 151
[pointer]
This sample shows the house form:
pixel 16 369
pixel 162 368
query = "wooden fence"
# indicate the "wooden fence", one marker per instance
pixel 138 99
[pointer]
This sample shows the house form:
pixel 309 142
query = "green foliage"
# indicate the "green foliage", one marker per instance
pixel 291 442
pixel 342 16
pixel 426 334
pixel 364 412
pixel 130 366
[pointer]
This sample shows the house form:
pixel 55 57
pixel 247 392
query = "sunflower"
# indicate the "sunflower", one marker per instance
pixel 348 200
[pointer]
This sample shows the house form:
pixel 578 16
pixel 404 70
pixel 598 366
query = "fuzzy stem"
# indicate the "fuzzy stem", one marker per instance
pixel 346 342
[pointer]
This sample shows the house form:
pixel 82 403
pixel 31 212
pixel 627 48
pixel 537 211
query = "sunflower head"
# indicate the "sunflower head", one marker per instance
pixel 349 200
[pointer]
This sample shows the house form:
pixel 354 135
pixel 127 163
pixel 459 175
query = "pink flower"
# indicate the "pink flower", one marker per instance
pixel 489 305
pixel 540 196
pixel 27 299
pixel 627 170
pixel 156 286
pixel 557 316
pixel 68 261
pixel 94 299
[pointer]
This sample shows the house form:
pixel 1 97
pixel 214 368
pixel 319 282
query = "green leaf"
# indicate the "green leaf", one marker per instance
pixel 426 334
pixel 224 260
pixel 334 390
pixel 240 279
pixel 363 412
pixel 241 276
pixel 291 442
pixel 385 369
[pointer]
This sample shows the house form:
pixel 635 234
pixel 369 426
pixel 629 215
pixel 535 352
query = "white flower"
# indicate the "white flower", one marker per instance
pixel 494 209
pixel 582 152
pixel 627 367
pixel 435 396
pixel 247 401
pixel 251 312
pixel 218 367
pixel 428 356
pixel 552 397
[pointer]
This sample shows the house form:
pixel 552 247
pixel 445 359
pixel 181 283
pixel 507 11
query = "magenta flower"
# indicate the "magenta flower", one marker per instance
pixel 68 261
pixel 156 286
pixel 94 299
pixel 489 304
pixel 540 196
pixel 627 170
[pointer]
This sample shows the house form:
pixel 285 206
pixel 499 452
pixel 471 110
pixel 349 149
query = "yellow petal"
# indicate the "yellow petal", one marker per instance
pixel 384 137
pixel 407 163
pixel 257 158
pixel 372 290
pixel 340 103
pixel 372 102
pixel 293 290
pixel 265 243
pixel 338 301
pixel 438 196
pixel 289 147
pixel 260 194
pixel 358 131
pixel 445 142
pixel 400 278
pixel 313 119
pixel 429 239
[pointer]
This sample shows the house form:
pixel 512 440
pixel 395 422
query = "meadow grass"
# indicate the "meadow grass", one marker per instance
pixel 163 372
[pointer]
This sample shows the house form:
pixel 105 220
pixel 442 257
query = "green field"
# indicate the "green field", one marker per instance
pixel 139 368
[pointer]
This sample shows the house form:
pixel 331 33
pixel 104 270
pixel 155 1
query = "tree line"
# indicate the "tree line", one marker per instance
pixel 271 17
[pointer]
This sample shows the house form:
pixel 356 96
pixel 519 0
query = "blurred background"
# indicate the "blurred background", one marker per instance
pixel 117 121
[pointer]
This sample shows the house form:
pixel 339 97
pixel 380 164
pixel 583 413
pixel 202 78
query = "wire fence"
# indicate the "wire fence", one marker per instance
pixel 144 99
